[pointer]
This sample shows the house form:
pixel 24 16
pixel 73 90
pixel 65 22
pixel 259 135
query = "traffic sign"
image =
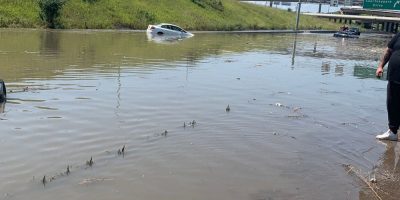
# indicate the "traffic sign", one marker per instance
pixel 382 4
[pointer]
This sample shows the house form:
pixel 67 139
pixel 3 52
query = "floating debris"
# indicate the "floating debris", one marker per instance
pixel 373 180
pixel 121 151
pixel 90 162
pixel 44 181
pixel 192 123
pixel 238 78
pixel 279 104
pixel 358 173
pixel 93 180
pixel 227 109
pixel 297 109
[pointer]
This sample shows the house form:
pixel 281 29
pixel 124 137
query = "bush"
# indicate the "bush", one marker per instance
pixel 50 11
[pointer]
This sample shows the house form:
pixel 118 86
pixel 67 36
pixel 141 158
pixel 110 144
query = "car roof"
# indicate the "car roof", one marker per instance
pixel 168 24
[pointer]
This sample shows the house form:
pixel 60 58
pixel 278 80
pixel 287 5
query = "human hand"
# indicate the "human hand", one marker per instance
pixel 379 72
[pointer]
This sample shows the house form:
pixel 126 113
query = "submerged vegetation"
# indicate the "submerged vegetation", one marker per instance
pixel 137 14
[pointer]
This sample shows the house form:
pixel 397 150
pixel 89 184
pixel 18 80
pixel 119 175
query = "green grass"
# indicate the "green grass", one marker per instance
pixel 138 14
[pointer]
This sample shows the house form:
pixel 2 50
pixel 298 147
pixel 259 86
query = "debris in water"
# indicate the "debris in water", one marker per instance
pixel 372 178
pixel 93 180
pixel 192 123
pixel 121 151
pixel 44 181
pixel 350 169
pixel 90 162
pixel 296 109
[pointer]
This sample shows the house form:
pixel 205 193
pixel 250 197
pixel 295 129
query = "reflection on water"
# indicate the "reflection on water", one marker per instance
pixel 166 39
pixel 366 72
pixel 301 106
pixel 2 107
pixel 294 48
pixel 50 42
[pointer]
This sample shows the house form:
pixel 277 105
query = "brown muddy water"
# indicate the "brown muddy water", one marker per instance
pixel 297 120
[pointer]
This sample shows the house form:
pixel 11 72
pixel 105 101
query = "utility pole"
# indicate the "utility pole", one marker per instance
pixel 298 15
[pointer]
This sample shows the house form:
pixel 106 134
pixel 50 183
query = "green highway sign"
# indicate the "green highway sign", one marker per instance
pixel 382 4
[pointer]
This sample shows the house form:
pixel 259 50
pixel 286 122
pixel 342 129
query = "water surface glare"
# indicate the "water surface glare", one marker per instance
pixel 296 115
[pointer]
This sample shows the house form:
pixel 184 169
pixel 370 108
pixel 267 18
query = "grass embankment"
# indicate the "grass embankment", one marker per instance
pixel 137 14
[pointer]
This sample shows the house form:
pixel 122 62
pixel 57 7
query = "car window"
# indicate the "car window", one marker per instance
pixel 171 27
pixel 177 28
pixel 166 26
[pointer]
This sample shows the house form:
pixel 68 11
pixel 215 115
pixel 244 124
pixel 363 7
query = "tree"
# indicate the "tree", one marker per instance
pixel 50 11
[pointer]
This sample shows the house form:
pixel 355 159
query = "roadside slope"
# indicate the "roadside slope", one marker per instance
pixel 137 14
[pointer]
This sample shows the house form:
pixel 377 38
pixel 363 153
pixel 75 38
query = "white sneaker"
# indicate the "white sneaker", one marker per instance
pixel 388 135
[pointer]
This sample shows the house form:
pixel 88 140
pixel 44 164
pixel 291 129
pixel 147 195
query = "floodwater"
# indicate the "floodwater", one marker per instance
pixel 297 120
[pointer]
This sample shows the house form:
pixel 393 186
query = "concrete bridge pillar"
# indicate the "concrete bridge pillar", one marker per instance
pixel 270 3
pixel 382 26
pixel 396 28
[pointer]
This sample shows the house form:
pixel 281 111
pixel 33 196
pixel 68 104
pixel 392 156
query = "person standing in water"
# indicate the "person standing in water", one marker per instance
pixel 391 55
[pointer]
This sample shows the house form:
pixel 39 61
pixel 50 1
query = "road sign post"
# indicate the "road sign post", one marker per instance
pixel 382 4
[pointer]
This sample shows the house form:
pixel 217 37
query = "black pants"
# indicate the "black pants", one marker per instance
pixel 393 105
